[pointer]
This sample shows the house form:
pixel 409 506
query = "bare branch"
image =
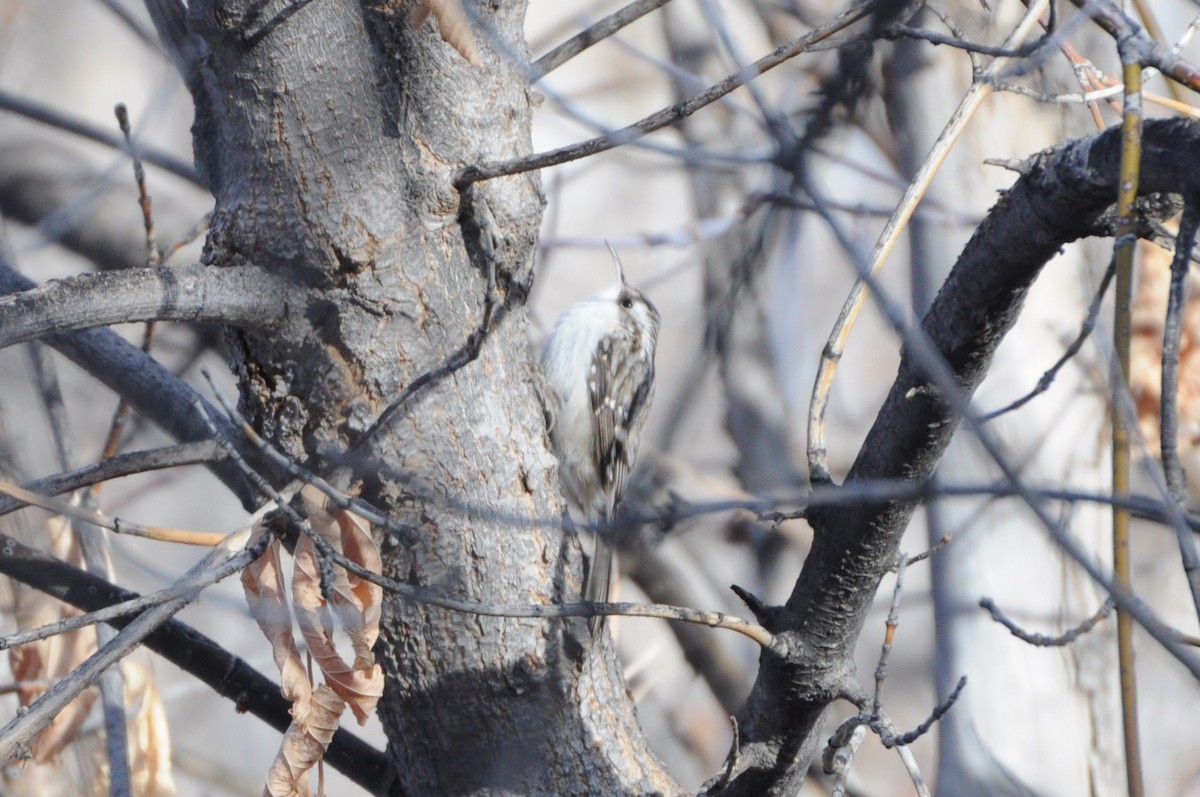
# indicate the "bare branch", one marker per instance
pixel 150 389
pixel 892 740
pixel 422 595
pixel 21 728
pixel 47 116
pixel 405 534
pixel 586 38
pixel 242 296
pixel 1042 640
pixel 1169 425
pixel 69 509
pixel 1144 49
pixel 1047 378
pixel 228 675
pixel 198 453
pixel 827 368
pixel 666 116
pixel 1064 195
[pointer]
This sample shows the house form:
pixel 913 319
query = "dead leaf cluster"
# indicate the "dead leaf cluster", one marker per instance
pixel 356 604
pixel 67 758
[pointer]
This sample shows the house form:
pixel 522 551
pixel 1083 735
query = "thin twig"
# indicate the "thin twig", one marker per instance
pixel 924 354
pixel 905 754
pixel 18 731
pixel 942 542
pixel 1085 331
pixel 1172 334
pixel 47 116
pixel 153 256
pixel 666 116
pixel 835 346
pixel 837 760
pixel 205 538
pixel 889 635
pixel 1042 640
pixel 1122 414
pixel 407 535
pixel 586 38
pixel 845 740
pixel 1143 48
pixel 1155 31
pixel 891 740
pixel 196 654
pixel 1169 423
pixel 908 32
pixel 424 596
pixel 94 547
pixel 493 311
pixel 153 259
pixel 199 453
pixel 122 609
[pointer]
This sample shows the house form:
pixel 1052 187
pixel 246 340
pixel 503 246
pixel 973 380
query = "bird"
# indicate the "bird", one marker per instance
pixel 599 358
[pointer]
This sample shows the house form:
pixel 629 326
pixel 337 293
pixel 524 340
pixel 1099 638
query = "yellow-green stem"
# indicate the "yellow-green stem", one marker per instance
pixel 1122 416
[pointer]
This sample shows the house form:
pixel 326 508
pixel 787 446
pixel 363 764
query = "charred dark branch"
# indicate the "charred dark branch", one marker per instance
pixel 228 675
pixel 1063 196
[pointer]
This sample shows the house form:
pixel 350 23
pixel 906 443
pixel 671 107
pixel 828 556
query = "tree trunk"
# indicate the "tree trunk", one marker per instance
pixel 329 134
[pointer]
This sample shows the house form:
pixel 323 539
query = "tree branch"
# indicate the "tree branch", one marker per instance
pixel 586 38
pixel 60 121
pixel 673 113
pixel 149 388
pixel 243 296
pixel 1147 52
pixel 1063 195
pixel 228 675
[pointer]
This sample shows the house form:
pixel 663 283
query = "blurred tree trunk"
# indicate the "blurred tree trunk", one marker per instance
pixel 329 133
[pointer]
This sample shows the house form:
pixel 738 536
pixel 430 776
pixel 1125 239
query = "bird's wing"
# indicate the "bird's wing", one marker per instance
pixel 620 387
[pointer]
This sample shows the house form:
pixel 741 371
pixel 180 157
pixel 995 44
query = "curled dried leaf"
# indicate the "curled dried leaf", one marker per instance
pixel 358 602
pixel 454 26
pixel 304 744
pixel 45 661
pixel 361 687
pixel 361 606
pixel 266 597
pixel 149 732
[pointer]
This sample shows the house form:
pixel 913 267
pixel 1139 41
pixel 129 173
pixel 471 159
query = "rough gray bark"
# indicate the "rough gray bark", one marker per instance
pixel 329 134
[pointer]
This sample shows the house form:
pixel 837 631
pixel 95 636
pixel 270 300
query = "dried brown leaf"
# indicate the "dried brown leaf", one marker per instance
pixel 358 602
pixel 149 732
pixel 304 744
pixel 266 597
pixel 360 607
pixel 53 658
pixel 360 687
pixel 454 26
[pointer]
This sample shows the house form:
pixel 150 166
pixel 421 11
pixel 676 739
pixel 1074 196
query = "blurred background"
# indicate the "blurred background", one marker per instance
pixel 750 278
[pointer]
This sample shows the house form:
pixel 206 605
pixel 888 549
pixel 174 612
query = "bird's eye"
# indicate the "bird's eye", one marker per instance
pixel 627 303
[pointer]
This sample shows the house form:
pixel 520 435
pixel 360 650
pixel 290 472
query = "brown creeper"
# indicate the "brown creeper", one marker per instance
pixel 600 360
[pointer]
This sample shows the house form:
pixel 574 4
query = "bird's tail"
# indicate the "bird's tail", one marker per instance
pixel 599 577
